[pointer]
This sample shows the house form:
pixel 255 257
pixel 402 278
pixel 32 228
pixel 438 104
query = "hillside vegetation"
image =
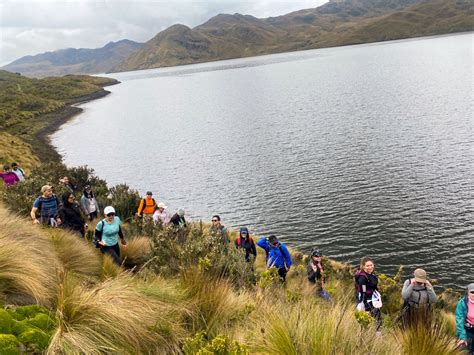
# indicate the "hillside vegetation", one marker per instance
pixel 180 291
pixel 31 108
pixel 339 22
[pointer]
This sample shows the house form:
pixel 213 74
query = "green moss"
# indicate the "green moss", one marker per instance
pixel 6 322
pixel 9 345
pixel 41 321
pixel 34 339
pixel 19 326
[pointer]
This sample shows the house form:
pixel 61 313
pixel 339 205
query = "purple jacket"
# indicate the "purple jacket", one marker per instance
pixel 9 178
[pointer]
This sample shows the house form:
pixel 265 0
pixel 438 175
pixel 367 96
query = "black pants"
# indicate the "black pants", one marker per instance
pixel 92 215
pixel 282 272
pixel 470 337
pixel 113 251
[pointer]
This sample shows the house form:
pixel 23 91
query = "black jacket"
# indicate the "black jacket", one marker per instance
pixel 248 245
pixel 71 217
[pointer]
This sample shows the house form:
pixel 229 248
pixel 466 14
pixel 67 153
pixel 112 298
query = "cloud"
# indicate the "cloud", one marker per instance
pixel 36 26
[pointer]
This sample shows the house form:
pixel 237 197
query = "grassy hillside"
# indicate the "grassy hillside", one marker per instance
pixel 31 108
pixel 336 23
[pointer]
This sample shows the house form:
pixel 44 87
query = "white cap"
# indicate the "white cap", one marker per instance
pixel 109 209
pixel 162 205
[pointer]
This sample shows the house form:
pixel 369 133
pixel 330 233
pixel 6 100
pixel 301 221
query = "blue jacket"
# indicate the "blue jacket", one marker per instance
pixel 461 315
pixel 277 256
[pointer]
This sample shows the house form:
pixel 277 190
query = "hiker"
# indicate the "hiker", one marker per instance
pixel 89 204
pixel 47 205
pixel 19 172
pixel 178 219
pixel 367 295
pixel 70 215
pixel 147 205
pixel 278 255
pixel 107 232
pixel 8 176
pixel 316 274
pixel 245 241
pixel 64 182
pixel 418 296
pixel 218 230
pixel 161 214
pixel 465 320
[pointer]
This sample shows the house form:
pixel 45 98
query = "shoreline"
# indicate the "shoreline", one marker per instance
pixel 41 141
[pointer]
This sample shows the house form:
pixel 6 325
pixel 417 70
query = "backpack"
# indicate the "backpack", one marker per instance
pixel 40 204
pixel 409 302
pixel 237 241
pixel 145 205
pixel 358 289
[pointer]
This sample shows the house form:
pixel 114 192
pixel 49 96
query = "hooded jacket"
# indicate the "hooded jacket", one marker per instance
pixel 70 214
pixel 461 315
pixel 277 256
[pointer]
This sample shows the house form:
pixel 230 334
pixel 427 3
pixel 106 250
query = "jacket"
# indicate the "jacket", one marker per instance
pixel 85 204
pixel 277 256
pixel 418 296
pixel 248 245
pixel 147 206
pixel 71 218
pixel 461 314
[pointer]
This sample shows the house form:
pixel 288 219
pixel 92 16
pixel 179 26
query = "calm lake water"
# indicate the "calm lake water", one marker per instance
pixel 360 150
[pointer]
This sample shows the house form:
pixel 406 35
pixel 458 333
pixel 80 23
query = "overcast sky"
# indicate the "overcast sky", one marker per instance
pixel 36 26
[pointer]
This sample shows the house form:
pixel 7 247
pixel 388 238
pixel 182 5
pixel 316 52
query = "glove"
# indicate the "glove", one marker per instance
pixel 360 306
pixel 123 242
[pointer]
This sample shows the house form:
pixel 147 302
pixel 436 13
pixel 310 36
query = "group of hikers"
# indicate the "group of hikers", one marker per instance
pixel 418 293
pixel 12 174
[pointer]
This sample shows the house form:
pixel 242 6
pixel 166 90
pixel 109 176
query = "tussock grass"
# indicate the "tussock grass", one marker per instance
pixel 136 252
pixel 111 317
pixel 28 264
pixel 75 254
pixel 216 306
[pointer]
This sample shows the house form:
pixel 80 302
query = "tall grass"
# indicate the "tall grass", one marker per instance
pixel 137 251
pixel 76 254
pixel 111 317
pixel 28 263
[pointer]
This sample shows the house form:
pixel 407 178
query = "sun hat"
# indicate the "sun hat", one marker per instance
pixel 470 287
pixel 109 209
pixel 46 188
pixel 162 205
pixel 420 275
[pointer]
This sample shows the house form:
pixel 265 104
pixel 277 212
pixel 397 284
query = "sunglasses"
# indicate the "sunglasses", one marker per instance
pixel 471 292
pixel 214 220
pixel 110 214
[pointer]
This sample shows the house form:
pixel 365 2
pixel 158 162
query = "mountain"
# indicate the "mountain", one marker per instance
pixel 74 61
pixel 338 22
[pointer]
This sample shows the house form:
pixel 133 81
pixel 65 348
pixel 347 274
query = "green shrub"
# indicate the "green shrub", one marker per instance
pixel 9 345
pixel 219 345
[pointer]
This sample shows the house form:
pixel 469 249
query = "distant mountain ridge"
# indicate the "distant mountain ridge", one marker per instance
pixel 338 22
pixel 75 61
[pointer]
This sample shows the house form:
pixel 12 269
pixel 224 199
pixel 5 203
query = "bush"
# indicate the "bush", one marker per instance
pixel 9 344
pixel 220 345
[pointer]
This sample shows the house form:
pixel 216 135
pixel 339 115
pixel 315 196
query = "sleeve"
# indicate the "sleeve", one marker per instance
pixel 98 232
pixel 36 204
pixel 432 296
pixel 361 281
pixel 62 215
pixel 253 249
pixel 311 273
pixel 155 216
pixel 17 179
pixel 140 207
pixel 460 320
pixel 263 243
pixel 120 233
pixel 287 256
pixel 407 289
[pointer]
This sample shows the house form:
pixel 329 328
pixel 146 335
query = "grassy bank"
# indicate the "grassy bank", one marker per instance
pixel 32 109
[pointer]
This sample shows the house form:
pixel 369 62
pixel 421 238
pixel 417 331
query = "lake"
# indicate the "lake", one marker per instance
pixel 359 150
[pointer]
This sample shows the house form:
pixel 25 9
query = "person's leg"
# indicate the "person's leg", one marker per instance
pixel 282 272
pixel 113 251
pixel 375 312
pixel 470 337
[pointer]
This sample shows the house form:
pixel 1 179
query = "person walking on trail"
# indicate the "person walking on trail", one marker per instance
pixel 178 219
pixel 161 214
pixel 70 215
pixel 67 184
pixel 367 294
pixel 89 204
pixel 419 297
pixel 465 320
pixel 218 230
pixel 8 176
pixel 316 274
pixel 147 205
pixel 47 205
pixel 19 172
pixel 245 242
pixel 278 255
pixel 107 232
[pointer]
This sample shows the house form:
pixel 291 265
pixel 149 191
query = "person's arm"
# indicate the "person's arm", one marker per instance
pixel 407 289
pixel 140 207
pixel 461 313
pixel 253 249
pixel 311 273
pixel 263 243
pixel 122 239
pixel 62 215
pixel 287 257
pixel 362 283
pixel 431 293
pixel 98 234
pixel 34 209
